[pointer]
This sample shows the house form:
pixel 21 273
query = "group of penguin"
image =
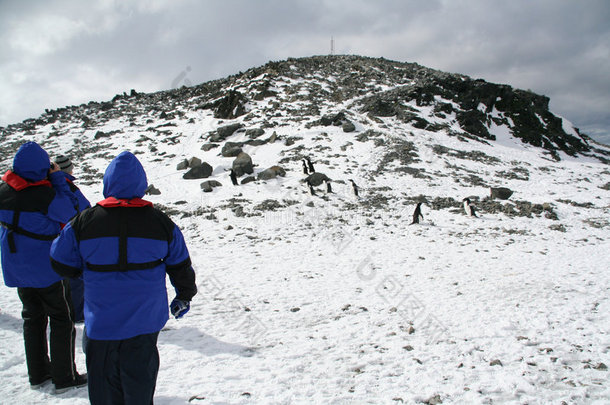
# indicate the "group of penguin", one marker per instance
pixel 468 209
pixel 308 168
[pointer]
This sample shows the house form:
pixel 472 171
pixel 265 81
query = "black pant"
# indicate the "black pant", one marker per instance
pixel 39 306
pixel 122 371
pixel 77 290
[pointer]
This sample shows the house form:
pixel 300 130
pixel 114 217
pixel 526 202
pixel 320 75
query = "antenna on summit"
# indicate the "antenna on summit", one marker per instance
pixel 332 45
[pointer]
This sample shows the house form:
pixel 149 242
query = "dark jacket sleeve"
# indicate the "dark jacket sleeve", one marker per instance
pixel 179 269
pixel 65 256
pixel 183 280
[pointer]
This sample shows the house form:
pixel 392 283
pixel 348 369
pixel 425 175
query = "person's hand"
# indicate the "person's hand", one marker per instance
pixel 54 168
pixel 179 307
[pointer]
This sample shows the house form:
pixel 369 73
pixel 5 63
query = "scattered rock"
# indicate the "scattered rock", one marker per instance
pixel 232 105
pixel 231 149
pixel 248 179
pixel 224 132
pixel 182 165
pixel 152 190
pixel 202 171
pixel 296 309
pixel 434 400
pixel 209 146
pixel 207 186
pixel 501 193
pixel 348 126
pixel 271 173
pixel 254 133
pixel 268 205
pixel 601 367
pixel 496 363
pixel 194 162
pixel 243 164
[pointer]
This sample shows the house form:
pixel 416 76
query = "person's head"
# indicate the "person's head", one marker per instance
pixel 125 177
pixel 31 162
pixel 64 164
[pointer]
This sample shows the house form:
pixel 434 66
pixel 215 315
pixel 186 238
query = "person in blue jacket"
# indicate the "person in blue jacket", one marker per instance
pixel 124 247
pixel 34 201
pixel 77 287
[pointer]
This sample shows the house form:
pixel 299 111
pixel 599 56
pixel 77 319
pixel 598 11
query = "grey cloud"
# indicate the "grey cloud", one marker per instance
pixel 558 48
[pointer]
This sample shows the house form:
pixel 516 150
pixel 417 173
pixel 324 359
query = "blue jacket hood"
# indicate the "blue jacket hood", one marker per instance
pixel 31 162
pixel 125 177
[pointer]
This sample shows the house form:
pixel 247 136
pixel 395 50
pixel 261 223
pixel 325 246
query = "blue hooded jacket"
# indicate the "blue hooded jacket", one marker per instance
pixel 79 200
pixel 123 247
pixel 33 205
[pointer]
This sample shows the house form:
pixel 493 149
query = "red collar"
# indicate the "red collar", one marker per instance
pixel 112 202
pixel 19 183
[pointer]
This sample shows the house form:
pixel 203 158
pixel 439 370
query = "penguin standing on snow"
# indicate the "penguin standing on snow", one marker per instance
pixel 416 214
pixel 233 177
pixel 310 165
pixel 305 171
pixel 329 188
pixel 311 189
pixel 469 208
pixel 354 187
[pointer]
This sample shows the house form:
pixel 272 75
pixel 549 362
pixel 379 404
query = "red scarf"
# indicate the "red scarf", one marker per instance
pixel 112 202
pixel 19 183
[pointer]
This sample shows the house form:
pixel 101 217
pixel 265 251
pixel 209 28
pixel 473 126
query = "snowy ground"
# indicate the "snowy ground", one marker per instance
pixel 326 300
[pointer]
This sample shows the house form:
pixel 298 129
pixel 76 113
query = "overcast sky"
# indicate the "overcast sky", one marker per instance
pixel 57 52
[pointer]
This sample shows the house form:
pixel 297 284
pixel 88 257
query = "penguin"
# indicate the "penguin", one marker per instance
pixel 416 214
pixel 310 166
pixel 233 177
pixel 469 209
pixel 311 189
pixel 329 188
pixel 354 187
pixel 305 171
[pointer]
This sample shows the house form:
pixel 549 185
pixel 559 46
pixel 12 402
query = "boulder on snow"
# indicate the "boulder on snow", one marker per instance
pixel 254 133
pixel 501 193
pixel 183 165
pixel 224 132
pixel 209 146
pixel 248 179
pixel 207 186
pixel 315 179
pixel 271 173
pixel 199 172
pixel 243 164
pixel 194 162
pixel 152 190
pixel 231 149
pixel 348 126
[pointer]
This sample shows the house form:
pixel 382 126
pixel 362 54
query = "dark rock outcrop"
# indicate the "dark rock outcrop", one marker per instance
pixel 501 193
pixel 231 149
pixel 271 173
pixel 208 186
pixel 202 171
pixel 243 164
pixel 224 132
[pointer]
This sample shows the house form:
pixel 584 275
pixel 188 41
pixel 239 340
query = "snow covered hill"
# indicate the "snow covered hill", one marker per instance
pixel 333 298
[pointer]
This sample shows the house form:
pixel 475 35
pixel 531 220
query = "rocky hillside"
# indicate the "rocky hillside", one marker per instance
pixel 354 116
